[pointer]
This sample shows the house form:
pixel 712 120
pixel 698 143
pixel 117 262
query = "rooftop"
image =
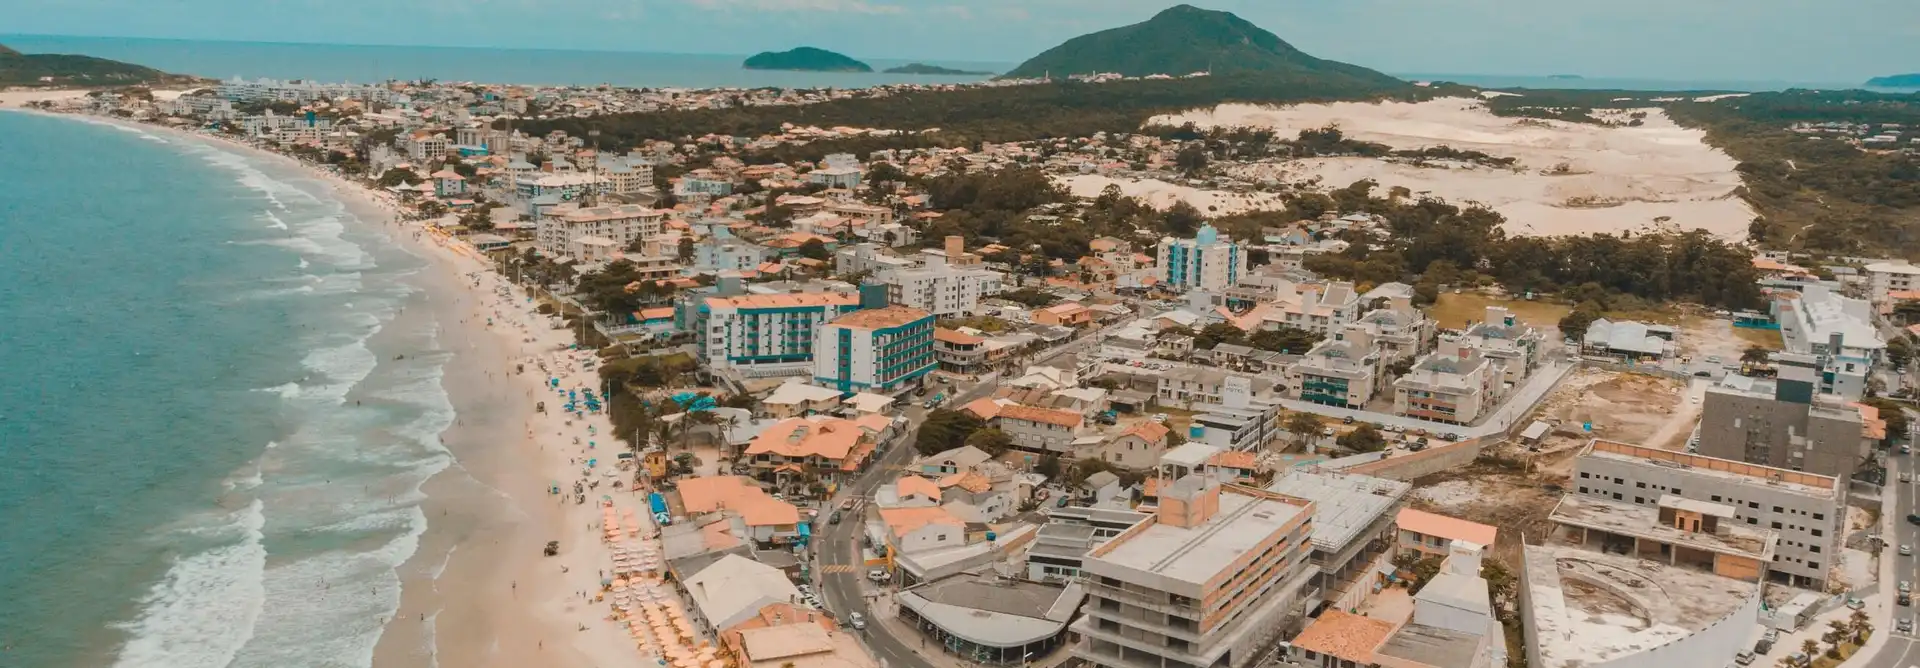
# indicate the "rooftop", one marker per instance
pixel 903 521
pixel 1629 519
pixel 1432 646
pixel 1451 528
pixel 827 438
pixel 1041 415
pixel 1202 554
pixel 792 300
pixel 1591 608
pixel 1722 469
pixel 992 611
pixel 882 318
pixel 795 392
pixel 1345 504
pixel 1344 635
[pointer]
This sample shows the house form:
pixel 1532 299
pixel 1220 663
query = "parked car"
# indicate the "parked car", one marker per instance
pixel 1913 519
pixel 1743 658
pixel 1346 420
pixel 877 575
pixel 1906 550
pixel 834 518
pixel 1904 625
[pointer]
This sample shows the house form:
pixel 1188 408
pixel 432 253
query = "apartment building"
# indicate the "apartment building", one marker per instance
pixel 1041 431
pixel 881 350
pixel 556 233
pixel 1206 261
pixel 1319 308
pixel 1886 278
pixel 1186 386
pixel 939 288
pixel 1454 384
pixel 1511 345
pixel 1337 371
pixel 1837 336
pixel 1808 511
pixel 1212 579
pixel 1399 331
pixel 773 334
pixel 1783 423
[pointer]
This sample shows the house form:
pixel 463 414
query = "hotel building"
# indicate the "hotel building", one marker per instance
pixel 878 350
pixel 770 335
pixel 1205 261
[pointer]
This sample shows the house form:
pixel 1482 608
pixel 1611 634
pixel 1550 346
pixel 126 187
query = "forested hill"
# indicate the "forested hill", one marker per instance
pixel 805 59
pixel 49 69
pixel 1185 39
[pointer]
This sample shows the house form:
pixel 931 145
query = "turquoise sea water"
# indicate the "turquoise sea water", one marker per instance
pixel 211 456
pixel 368 64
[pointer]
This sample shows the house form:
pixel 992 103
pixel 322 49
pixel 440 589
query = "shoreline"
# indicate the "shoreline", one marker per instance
pixel 460 601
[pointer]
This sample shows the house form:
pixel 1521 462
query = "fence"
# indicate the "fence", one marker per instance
pixel 1424 463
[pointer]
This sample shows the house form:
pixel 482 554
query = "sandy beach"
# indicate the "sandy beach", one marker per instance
pixel 479 591
pixel 19 97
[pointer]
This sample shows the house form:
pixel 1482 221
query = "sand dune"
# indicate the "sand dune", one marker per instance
pixel 1614 179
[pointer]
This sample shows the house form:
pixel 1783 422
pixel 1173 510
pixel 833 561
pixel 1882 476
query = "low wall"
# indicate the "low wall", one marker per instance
pixel 1424 463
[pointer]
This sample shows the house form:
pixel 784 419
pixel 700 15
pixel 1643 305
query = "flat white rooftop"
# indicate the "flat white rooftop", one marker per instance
pixel 1196 555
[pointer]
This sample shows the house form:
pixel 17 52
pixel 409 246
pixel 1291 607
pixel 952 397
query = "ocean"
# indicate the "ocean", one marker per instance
pixel 372 64
pixel 215 428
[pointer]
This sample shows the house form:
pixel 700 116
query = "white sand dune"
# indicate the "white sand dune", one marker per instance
pixel 1161 194
pixel 1615 178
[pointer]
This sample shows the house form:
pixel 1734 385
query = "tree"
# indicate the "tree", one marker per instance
pixel 1810 647
pixel 1574 324
pixel 945 430
pixel 1400 367
pixel 1285 339
pixel 1363 438
pixel 1191 159
pixel 992 441
pixel 1182 220
pixel 1755 355
pixel 1048 466
pixel 814 249
pixel 1302 425
pixel 1218 333
pixel 1899 352
pixel 686 249
pixel 1890 411
pixel 397 176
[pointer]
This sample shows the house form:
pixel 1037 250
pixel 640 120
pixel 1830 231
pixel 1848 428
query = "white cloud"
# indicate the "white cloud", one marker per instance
pixel 845 6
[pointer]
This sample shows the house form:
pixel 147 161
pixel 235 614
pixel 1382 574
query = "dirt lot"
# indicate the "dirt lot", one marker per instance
pixel 1626 407
pixel 1455 309
pixel 1517 504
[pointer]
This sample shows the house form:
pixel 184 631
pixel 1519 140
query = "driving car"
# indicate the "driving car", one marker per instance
pixel 1906 550
pixel 857 620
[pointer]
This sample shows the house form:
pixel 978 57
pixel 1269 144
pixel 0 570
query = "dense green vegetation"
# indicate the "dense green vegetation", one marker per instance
pixel 49 69
pixel 1813 192
pixel 923 68
pixel 1896 81
pixel 1185 39
pixel 805 59
pixel 968 116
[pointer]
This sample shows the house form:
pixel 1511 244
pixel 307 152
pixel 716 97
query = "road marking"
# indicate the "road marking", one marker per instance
pixel 839 568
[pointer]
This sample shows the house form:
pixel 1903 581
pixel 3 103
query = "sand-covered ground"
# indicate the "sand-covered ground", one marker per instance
pixel 19 97
pixel 1161 194
pixel 1569 178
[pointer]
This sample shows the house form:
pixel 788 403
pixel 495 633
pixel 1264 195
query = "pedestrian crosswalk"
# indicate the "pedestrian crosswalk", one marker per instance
pixel 839 568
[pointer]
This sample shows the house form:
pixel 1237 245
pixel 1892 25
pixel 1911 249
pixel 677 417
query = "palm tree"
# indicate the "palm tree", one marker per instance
pixel 665 431
pixel 1810 647
pixel 1860 625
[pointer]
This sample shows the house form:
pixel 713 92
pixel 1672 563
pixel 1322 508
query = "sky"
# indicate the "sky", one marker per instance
pixel 1839 41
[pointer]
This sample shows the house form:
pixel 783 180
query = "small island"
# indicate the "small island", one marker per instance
pixel 1896 81
pixel 923 68
pixel 805 59
pixel 1565 77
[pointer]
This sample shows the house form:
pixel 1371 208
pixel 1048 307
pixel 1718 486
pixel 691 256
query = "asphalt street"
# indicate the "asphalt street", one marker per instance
pixel 1902 649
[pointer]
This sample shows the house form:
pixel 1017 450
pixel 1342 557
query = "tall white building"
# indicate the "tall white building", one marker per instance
pixel 1205 261
pixel 940 288
pixel 557 232
pixel 770 335
pixel 874 350
pixel 1885 278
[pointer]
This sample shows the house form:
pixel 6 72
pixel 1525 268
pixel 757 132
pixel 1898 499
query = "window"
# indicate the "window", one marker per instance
pixel 1819 516
pixel 1640 485
pixel 1813 564
pixel 1639 499
pixel 1583 490
pixel 1776 509
pixel 1813 548
pixel 1616 496
pixel 1716 498
pixel 1817 533
pixel 1776 525
pixel 1583 474
pixel 1753 504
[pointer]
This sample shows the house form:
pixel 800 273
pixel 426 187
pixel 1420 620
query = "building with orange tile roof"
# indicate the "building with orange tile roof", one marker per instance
pixel 911 530
pixel 1138 448
pixel 881 350
pixel 768 520
pixel 1344 636
pixel 1064 314
pixel 915 485
pixel 1433 534
pixel 796 449
pixel 1039 430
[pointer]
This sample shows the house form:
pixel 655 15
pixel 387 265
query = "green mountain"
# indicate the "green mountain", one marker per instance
pixel 923 68
pixel 1186 39
pixel 48 69
pixel 1896 81
pixel 805 59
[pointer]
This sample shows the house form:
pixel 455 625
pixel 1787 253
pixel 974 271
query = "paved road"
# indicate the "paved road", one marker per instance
pixel 1901 650
pixel 841 575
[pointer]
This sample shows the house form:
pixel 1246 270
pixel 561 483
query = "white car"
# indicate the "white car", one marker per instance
pixel 856 620
pixel 1906 550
